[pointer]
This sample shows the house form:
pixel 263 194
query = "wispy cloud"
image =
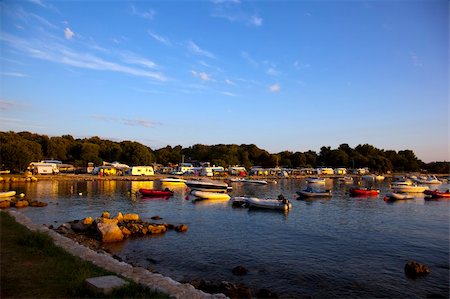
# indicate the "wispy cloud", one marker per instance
pixel 11 74
pixel 127 121
pixel 416 60
pixel 58 53
pixel 229 82
pixel 249 59
pixel 299 65
pixel 194 48
pixel 272 72
pixel 148 14
pixel 256 21
pixel 160 38
pixel 68 33
pixel 275 87
pixel 6 105
pixel 230 94
pixel 233 12
pixel 134 59
pixel 202 75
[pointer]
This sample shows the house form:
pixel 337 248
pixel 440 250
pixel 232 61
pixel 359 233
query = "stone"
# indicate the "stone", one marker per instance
pixel 105 215
pixel 414 269
pixel 239 270
pixel 107 220
pixel 88 220
pixel 105 284
pixel 125 231
pixel 38 204
pixel 21 204
pixel 156 229
pixel 156 218
pixel 181 228
pixel 79 226
pixel 5 204
pixel 130 217
pixel 109 232
pixel 119 217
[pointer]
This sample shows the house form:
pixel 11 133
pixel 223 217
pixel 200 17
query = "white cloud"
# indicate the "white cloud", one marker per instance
pixel 230 94
pixel 134 59
pixel 202 75
pixel 148 14
pixel 415 60
pixel 160 38
pixel 274 87
pixel 229 82
pixel 68 33
pixel 257 21
pixel 197 50
pixel 249 59
pixel 127 121
pixel 272 72
pixel 11 74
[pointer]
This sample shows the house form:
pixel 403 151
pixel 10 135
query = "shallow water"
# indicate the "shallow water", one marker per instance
pixel 338 247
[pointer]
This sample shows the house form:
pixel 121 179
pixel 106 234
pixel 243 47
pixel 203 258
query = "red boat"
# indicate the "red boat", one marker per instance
pixel 155 193
pixel 437 193
pixel 364 192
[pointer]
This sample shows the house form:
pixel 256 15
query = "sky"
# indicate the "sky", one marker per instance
pixel 284 75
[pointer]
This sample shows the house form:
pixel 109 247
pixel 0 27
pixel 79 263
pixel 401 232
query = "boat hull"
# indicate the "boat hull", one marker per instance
pixel 155 193
pixel 272 204
pixel 7 194
pixel 364 192
pixel 210 195
pixel 410 189
pixel 305 193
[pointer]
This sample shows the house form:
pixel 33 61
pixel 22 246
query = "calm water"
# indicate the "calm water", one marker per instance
pixel 338 247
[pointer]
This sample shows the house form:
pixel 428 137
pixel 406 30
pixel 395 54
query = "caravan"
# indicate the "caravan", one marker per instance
pixel 140 170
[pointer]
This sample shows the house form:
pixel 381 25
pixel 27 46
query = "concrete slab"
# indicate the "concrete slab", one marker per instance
pixel 105 284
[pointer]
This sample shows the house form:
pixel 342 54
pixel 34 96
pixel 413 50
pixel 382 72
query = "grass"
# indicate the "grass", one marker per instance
pixel 31 266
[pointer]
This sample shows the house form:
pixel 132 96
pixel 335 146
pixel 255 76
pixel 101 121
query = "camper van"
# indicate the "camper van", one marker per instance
pixel 140 170
pixel 43 168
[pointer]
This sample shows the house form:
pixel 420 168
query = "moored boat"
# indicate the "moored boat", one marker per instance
pixel 155 193
pixel 258 182
pixel 210 195
pixel 310 192
pixel 7 194
pixel 346 180
pixel 312 180
pixel 393 196
pixel 172 180
pixel 281 203
pixel 430 180
pixel 363 192
pixel 208 185
pixel 411 188
pixel 438 194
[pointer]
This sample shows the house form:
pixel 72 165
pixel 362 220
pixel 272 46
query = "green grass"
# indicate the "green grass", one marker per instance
pixel 33 267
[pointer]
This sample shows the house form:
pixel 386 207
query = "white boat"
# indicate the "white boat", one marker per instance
pixel 346 180
pixel 428 180
pixel 210 195
pixel 172 180
pixel 259 182
pixel 7 194
pixel 238 201
pixel 315 180
pixel 310 192
pixel 410 189
pixel 406 182
pixel 379 177
pixel 265 203
pixel 208 185
pixel 391 196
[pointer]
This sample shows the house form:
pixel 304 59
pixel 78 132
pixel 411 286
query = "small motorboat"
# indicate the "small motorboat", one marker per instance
pixel 310 192
pixel 346 180
pixel 238 201
pixel 430 180
pixel 312 180
pixel 210 195
pixel 393 196
pixel 364 192
pixel 172 180
pixel 438 194
pixel 409 188
pixel 155 193
pixel 258 182
pixel 280 203
pixel 7 194
pixel 208 185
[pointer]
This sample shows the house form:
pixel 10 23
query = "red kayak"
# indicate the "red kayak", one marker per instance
pixel 364 192
pixel 155 193
pixel 437 193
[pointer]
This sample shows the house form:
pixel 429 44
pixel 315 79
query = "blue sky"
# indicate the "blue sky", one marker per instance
pixel 284 75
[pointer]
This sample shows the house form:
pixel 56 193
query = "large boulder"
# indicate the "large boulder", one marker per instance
pixel 21 204
pixel 130 217
pixel 413 269
pixel 157 229
pixel 109 232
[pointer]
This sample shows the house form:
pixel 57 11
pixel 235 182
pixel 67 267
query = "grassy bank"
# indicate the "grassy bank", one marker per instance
pixel 33 267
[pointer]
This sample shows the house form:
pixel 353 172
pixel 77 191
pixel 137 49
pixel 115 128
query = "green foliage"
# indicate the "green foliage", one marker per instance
pixel 17 150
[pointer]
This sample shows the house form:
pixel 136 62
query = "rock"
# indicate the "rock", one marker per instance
pixel 181 228
pixel 88 220
pixel 265 293
pixel 125 231
pixel 109 232
pixel 130 217
pixel 156 218
pixel 107 220
pixel 239 270
pixel 156 229
pixel 413 269
pixel 105 215
pixel 38 204
pixel 5 204
pixel 119 217
pixel 21 204
pixel 79 226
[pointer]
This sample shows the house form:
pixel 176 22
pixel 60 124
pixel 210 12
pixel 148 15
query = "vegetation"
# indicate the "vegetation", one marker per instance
pixel 17 150
pixel 33 267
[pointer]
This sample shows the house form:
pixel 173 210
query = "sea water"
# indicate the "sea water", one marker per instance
pixel 326 247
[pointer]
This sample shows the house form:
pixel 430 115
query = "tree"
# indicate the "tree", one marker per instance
pixel 134 153
pixel 16 152
pixel 90 153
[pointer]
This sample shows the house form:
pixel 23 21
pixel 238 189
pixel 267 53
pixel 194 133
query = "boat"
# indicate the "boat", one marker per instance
pixel 172 180
pixel 438 194
pixel 210 195
pixel 208 185
pixel 280 203
pixel 258 182
pixel 405 182
pixel 393 196
pixel 430 180
pixel 7 194
pixel 155 193
pixel 379 177
pixel 315 180
pixel 310 192
pixel 363 192
pixel 238 201
pixel 235 180
pixel 411 188
pixel 346 180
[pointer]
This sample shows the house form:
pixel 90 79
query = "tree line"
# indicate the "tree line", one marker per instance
pixel 17 150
